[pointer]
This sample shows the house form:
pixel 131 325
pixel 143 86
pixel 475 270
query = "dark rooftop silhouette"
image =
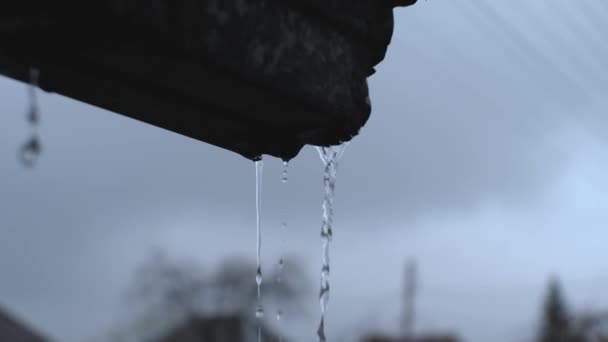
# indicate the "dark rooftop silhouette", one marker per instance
pixel 217 329
pixel 248 76
pixel 13 330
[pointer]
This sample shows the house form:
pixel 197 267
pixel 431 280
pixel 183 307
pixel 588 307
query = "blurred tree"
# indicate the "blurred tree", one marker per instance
pixel 591 326
pixel 234 289
pixel 555 325
pixel 167 291
pixel 169 285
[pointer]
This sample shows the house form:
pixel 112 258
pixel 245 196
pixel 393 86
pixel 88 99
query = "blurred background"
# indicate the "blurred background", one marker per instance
pixel 472 206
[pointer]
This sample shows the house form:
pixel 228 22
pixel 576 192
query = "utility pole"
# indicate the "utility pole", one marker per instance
pixel 409 299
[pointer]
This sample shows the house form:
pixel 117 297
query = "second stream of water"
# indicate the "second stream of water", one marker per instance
pixel 330 156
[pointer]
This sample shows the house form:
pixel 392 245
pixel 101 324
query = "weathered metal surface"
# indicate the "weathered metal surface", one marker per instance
pixel 252 76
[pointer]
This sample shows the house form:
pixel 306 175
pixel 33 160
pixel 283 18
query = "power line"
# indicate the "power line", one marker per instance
pixel 565 85
pixel 561 47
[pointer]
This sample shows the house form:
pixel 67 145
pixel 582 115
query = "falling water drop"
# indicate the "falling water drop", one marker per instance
pixel 29 152
pixel 259 310
pixel 330 157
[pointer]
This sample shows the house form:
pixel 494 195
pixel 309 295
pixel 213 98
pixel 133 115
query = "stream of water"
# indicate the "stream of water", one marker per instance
pixel 330 157
pixel 30 150
pixel 281 263
pixel 259 310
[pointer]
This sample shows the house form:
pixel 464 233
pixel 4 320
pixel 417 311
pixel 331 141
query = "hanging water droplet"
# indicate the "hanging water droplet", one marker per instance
pixel 279 314
pixel 32 113
pixel 29 152
pixel 284 176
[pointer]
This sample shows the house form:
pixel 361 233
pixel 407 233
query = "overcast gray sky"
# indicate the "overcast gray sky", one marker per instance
pixel 485 158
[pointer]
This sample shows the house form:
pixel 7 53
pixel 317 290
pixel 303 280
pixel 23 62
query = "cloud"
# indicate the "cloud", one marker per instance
pixel 472 140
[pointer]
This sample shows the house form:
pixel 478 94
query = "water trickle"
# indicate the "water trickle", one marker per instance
pixel 285 170
pixel 330 157
pixel 281 263
pixel 33 114
pixel 30 150
pixel 259 310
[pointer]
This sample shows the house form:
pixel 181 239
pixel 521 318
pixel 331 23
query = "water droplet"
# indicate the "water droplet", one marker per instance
pixel 29 152
pixel 258 276
pixel 259 311
pixel 279 315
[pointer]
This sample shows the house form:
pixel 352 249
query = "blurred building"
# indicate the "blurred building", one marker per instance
pixel 424 338
pixel 408 319
pixel 218 329
pixel 14 330
pixel 591 327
